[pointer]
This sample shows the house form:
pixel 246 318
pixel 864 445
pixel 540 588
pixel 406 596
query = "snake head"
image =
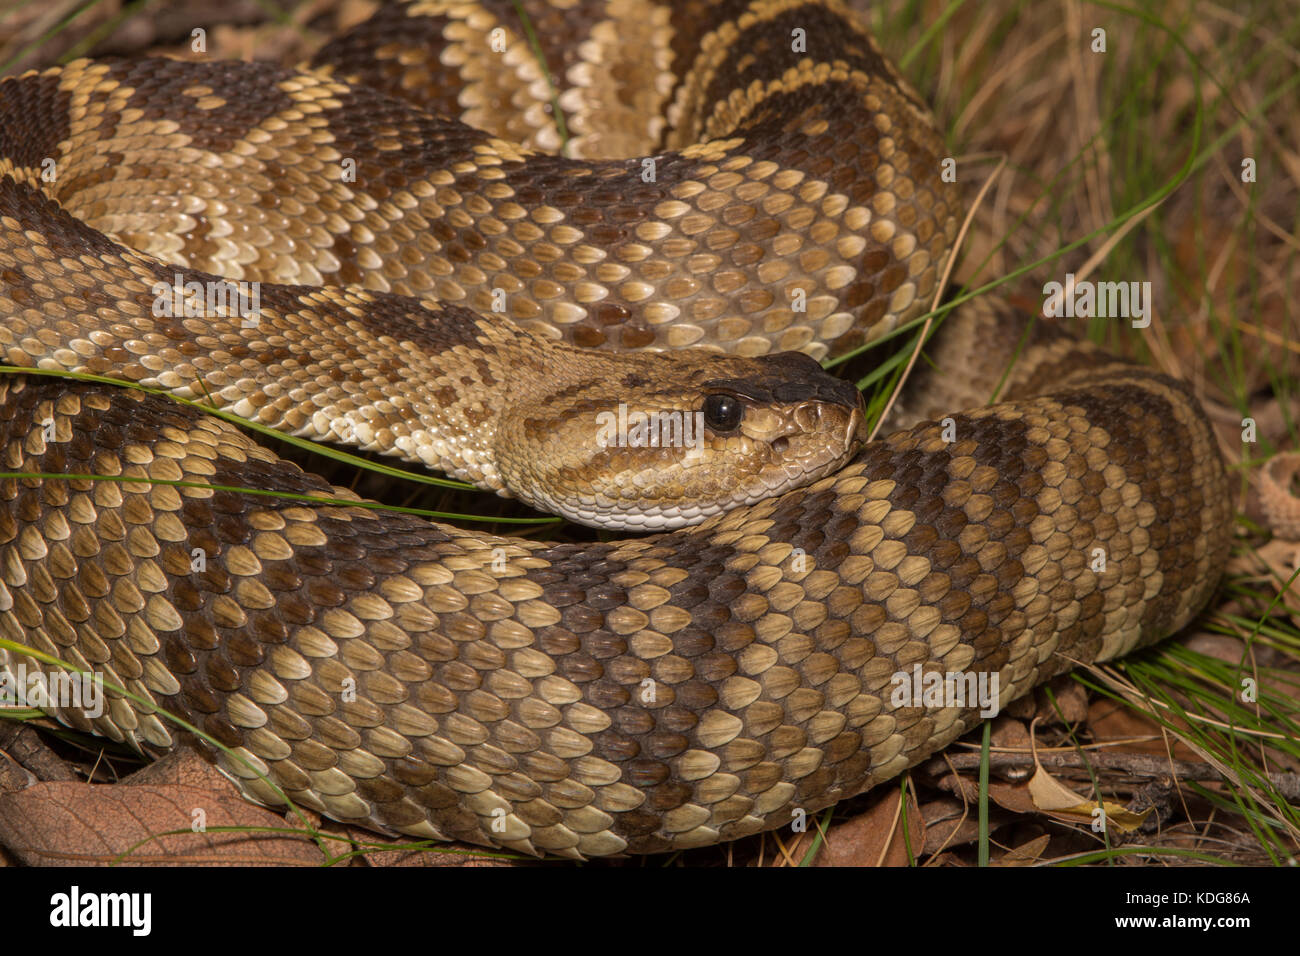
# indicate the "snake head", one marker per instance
pixel 649 442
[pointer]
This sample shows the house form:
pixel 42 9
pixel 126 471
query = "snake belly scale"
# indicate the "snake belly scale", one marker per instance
pixel 636 695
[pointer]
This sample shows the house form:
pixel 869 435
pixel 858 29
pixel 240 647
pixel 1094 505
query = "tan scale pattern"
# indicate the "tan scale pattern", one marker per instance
pixel 636 695
pixel 452 389
pixel 713 252
pixel 481 690
pixel 621 86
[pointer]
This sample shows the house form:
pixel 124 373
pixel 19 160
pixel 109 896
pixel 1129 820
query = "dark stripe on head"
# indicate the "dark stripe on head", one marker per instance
pixel 790 377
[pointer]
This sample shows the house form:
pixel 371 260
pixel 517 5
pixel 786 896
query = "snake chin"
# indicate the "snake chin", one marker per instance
pixel 722 433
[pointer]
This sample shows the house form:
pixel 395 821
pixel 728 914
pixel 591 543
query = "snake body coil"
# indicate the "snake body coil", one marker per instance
pixel 636 695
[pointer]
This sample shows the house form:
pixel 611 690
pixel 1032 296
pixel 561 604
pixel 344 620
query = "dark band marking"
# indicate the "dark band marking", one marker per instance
pixel 1151 443
pixel 33 119
pixel 398 54
pixel 765 49
pixel 250 91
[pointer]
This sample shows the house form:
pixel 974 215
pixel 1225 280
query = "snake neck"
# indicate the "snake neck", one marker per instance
pixel 474 396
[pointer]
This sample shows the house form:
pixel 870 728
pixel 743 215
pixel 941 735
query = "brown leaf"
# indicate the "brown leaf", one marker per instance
pixel 1022 708
pixel 964 788
pixel 1071 702
pixel 1282 559
pixel 949 824
pixel 14 777
pixel 1025 854
pixel 1112 720
pixel 63 823
pixel 1048 793
pixel 1076 809
pixel 1012 796
pixel 875 838
pixel 1009 734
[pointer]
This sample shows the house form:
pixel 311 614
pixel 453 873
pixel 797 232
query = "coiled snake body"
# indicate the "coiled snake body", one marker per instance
pixel 636 695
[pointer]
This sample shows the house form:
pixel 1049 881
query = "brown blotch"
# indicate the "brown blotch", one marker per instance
pixel 33 119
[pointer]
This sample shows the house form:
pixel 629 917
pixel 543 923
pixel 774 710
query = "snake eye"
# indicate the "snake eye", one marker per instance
pixel 722 413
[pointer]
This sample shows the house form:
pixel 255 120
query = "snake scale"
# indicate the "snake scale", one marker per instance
pixel 748 176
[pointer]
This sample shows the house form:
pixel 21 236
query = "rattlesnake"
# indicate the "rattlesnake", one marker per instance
pixel 634 695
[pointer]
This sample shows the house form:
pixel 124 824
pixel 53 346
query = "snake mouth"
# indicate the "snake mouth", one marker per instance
pixel 847 426
pixel 850 408
pixel 857 433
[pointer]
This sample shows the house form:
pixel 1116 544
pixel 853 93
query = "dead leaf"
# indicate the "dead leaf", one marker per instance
pixel 1113 720
pixel 1012 796
pixel 1282 559
pixel 73 823
pixel 14 777
pixel 1277 476
pixel 875 838
pixel 1025 854
pixel 949 824
pixel 1048 793
pixel 1022 708
pixel 1009 734
pixel 1071 702
pixel 1062 803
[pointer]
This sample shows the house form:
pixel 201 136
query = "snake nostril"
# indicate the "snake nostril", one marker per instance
pixel 779 445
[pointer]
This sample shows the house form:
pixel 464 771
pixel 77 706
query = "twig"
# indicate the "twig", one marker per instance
pixel 1137 765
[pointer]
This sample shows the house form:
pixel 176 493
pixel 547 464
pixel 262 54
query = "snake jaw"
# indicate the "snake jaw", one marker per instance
pixel 637 448
pixel 785 430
